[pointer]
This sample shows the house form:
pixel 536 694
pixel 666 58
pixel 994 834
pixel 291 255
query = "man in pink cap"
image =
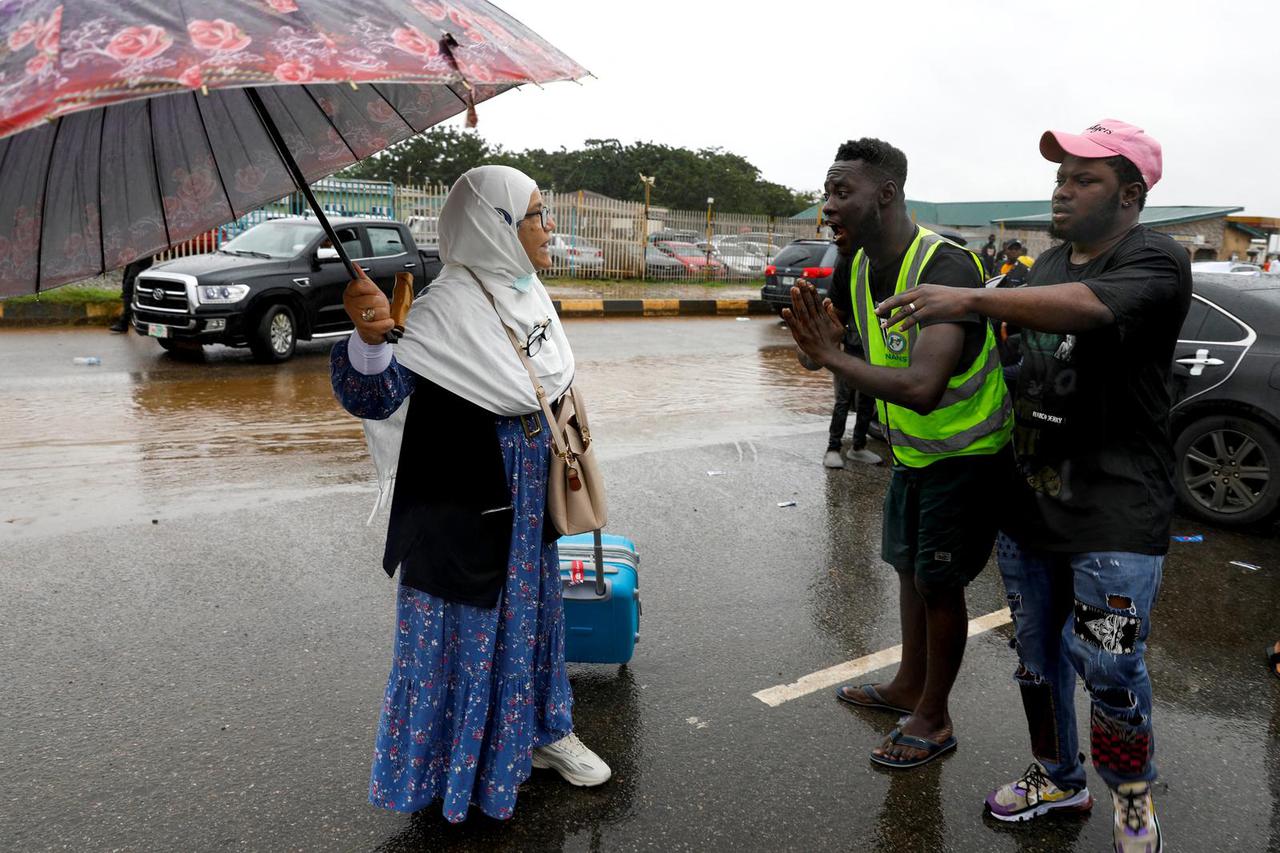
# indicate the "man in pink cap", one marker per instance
pixel 1087 525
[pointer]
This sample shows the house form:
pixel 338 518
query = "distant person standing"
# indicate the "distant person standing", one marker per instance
pixel 127 282
pixel 1017 263
pixel 863 404
pixel 988 258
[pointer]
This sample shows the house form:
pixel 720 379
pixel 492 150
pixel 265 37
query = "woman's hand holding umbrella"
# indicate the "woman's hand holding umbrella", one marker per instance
pixel 368 308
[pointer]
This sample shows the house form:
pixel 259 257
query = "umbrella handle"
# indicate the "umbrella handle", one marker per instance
pixel 300 181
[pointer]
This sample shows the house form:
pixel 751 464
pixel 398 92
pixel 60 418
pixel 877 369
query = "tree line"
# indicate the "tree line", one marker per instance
pixel 683 178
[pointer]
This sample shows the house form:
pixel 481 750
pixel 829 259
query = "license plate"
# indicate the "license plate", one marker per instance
pixel 786 280
pixel 156 330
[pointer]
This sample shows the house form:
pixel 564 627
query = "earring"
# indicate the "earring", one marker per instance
pixel 1125 204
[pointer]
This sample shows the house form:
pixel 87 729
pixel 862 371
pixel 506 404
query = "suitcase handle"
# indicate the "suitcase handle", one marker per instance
pixel 599 549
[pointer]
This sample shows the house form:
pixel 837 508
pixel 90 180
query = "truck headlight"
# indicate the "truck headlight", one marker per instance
pixel 221 294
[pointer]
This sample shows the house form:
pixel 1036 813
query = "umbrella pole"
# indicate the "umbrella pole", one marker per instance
pixel 299 179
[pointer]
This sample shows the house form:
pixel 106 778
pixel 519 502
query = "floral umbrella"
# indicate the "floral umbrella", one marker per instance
pixel 129 126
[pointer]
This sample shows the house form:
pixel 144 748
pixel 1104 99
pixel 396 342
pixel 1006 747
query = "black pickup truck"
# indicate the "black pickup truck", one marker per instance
pixel 275 283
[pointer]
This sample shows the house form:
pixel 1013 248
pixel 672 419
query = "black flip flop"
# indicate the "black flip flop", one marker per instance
pixel 869 690
pixel 932 750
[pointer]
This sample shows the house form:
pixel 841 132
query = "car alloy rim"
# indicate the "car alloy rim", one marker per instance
pixel 1226 471
pixel 281 333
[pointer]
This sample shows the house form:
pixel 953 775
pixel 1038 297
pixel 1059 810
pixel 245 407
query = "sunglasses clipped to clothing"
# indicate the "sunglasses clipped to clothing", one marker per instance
pixel 533 343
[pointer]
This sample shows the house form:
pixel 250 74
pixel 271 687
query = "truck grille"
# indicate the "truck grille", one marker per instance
pixel 155 295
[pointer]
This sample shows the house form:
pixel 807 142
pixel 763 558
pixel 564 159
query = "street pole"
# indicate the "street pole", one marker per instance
pixel 706 270
pixel 648 181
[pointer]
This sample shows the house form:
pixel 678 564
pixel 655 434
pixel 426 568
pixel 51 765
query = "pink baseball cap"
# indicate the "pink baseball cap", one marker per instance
pixel 1107 138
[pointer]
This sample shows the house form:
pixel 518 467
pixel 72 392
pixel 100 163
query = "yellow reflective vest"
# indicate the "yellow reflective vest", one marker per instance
pixel 974 416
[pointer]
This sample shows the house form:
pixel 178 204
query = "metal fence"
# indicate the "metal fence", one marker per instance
pixel 595 237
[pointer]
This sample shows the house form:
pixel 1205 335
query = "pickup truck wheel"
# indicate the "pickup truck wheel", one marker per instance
pixel 276 335
pixel 1228 470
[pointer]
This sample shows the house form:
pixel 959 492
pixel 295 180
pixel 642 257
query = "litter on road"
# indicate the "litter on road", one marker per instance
pixel 1248 567
pixel 786 503
pixel 1196 537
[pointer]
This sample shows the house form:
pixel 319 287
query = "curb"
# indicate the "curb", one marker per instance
pixel 58 314
pixel 660 307
pixel 103 313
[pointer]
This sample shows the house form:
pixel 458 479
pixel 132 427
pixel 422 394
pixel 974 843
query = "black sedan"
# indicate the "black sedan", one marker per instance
pixel 814 260
pixel 1226 394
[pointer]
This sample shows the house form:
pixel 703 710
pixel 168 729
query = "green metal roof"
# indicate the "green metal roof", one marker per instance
pixel 1252 232
pixel 1150 216
pixel 960 214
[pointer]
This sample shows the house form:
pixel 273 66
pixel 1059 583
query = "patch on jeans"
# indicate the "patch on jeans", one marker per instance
pixel 1120 748
pixel 1112 632
pixel 1037 701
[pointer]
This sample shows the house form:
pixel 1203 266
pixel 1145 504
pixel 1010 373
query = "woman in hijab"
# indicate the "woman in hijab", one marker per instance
pixel 478 692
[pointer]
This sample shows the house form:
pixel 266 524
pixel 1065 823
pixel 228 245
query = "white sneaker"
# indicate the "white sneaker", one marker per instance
pixel 832 459
pixel 571 759
pixel 864 456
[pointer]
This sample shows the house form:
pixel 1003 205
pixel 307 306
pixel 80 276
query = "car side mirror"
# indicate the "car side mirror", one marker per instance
pixel 326 255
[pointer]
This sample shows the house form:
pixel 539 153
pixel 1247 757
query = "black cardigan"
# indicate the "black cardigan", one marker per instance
pixel 451 514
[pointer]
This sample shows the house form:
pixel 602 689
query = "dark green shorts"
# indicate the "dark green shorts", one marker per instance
pixel 940 521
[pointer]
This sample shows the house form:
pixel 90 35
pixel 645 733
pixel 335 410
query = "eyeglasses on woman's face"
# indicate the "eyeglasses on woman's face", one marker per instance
pixel 544 217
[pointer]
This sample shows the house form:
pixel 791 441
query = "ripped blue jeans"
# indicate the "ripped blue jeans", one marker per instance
pixel 1088 615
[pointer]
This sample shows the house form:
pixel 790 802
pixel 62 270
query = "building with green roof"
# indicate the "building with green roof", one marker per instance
pixel 1200 228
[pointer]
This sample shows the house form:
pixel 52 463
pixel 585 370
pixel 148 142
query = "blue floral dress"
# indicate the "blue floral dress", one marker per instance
pixel 472 690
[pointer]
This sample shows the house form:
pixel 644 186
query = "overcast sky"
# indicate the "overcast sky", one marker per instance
pixel 964 88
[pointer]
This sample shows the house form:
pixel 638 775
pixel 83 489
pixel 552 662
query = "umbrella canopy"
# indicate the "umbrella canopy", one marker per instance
pixel 130 127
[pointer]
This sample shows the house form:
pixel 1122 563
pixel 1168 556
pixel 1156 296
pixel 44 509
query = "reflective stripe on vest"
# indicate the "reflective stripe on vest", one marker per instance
pixel 974 415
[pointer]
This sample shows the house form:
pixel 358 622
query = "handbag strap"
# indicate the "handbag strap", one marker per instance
pixel 596 540
pixel 556 446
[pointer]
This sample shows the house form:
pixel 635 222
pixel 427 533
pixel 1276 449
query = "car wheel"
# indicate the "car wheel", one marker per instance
pixel 276 335
pixel 1228 470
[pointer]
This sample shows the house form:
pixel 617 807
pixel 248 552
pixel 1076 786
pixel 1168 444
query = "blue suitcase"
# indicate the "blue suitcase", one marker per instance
pixel 601 616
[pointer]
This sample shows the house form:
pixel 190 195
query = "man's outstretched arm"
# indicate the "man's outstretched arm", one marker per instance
pixel 1058 308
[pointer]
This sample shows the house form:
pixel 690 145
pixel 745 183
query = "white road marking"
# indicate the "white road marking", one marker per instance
pixel 832 675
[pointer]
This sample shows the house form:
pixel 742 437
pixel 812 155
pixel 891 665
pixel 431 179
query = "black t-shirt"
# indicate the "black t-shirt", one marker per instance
pixel 950 265
pixel 1091 410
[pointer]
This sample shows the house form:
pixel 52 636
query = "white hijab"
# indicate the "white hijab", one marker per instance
pixel 454 337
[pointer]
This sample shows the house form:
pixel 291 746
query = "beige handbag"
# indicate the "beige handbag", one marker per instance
pixel 575 488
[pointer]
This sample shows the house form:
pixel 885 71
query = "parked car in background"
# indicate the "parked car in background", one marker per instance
pixel 667 235
pixel 1226 400
pixel 571 252
pixel 274 284
pixel 814 260
pixel 658 264
pixel 738 259
pixel 693 259
pixel 1226 267
pixel 425 229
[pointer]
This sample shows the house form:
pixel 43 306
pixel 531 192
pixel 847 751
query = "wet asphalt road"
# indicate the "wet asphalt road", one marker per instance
pixel 194 635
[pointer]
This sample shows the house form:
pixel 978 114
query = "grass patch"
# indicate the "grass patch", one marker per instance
pixel 69 294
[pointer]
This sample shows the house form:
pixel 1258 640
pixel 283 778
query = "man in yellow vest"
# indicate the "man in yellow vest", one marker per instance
pixel 946 416
pixel 1084 538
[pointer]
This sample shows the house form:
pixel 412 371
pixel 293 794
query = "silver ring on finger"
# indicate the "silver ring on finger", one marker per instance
pixel 367 315
pixel 911 306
